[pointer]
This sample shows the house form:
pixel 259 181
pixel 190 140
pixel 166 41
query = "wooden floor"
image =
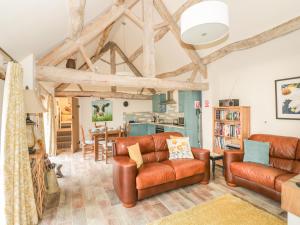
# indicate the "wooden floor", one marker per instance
pixel 87 197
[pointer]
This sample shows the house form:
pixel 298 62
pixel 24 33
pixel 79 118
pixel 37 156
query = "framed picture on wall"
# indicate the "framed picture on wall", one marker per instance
pixel 287 93
pixel 102 110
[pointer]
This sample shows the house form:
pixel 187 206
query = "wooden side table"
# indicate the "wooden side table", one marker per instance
pixel 290 200
pixel 38 179
pixel 214 157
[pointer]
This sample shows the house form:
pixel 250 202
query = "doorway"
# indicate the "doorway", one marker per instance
pixel 67 119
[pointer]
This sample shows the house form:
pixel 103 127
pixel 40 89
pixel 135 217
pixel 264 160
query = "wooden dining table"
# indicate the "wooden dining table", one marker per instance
pixel 100 135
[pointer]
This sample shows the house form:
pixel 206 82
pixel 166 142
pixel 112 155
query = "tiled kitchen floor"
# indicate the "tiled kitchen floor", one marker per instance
pixel 87 197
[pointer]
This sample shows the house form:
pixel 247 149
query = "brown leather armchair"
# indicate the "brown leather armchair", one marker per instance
pixel 158 173
pixel 267 180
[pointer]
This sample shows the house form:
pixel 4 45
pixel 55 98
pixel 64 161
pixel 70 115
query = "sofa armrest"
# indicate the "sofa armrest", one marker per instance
pixel 124 179
pixel 203 155
pixel 229 157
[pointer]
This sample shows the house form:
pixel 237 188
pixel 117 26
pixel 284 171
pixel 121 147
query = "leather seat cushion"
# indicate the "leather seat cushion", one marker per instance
pixel 255 172
pixel 152 174
pixel 186 167
pixel 281 179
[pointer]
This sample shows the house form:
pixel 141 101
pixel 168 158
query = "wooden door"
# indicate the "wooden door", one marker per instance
pixel 75 125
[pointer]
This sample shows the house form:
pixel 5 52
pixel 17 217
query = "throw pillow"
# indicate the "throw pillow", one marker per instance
pixel 255 151
pixel 179 148
pixel 135 154
pixel 174 137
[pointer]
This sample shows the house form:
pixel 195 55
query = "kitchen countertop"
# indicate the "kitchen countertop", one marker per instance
pixel 160 124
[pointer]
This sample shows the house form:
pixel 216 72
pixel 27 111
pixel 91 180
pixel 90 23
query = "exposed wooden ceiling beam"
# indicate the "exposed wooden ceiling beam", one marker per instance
pixel 134 18
pixel 99 94
pixel 193 75
pixel 90 32
pixel 64 75
pixel 184 69
pixel 148 40
pixel 119 2
pixel 106 48
pixel 80 87
pixel 2 73
pixel 71 63
pixel 276 32
pixel 86 58
pixel 165 29
pixel 103 38
pixel 190 50
pixel 132 67
pixel 76 11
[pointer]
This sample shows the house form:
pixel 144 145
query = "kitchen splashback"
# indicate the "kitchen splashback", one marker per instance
pixel 148 116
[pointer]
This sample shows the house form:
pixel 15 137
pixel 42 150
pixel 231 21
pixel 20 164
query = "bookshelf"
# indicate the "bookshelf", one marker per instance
pixel 231 125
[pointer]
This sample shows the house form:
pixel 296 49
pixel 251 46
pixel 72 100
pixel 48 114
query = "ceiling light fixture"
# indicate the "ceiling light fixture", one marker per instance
pixel 204 23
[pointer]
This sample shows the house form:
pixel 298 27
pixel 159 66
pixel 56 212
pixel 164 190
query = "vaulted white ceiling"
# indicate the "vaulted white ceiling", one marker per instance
pixel 35 26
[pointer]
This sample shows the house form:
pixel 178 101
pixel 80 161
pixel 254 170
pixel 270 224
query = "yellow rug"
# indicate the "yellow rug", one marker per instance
pixel 225 210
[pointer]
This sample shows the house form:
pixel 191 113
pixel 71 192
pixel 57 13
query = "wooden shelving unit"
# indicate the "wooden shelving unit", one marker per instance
pixel 231 125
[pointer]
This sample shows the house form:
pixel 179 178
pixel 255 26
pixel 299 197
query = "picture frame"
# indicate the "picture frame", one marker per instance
pixel 287 95
pixel 102 111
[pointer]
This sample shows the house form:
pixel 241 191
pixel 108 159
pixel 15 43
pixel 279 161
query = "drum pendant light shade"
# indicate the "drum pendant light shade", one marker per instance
pixel 204 23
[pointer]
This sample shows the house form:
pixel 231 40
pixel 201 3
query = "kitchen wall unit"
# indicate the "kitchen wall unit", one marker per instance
pixel 157 103
pixel 186 101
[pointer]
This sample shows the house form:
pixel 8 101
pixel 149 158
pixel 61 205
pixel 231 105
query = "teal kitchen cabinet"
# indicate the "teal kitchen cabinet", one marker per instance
pixel 157 103
pixel 138 129
pixel 191 117
pixel 141 129
pixel 175 129
pixel 181 96
pixel 151 129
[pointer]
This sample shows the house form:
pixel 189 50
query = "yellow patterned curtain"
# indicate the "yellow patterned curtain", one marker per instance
pixel 49 127
pixel 18 204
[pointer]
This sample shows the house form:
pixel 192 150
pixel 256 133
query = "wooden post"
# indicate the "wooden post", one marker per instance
pixel 76 10
pixel 164 27
pixel 113 67
pixel 148 40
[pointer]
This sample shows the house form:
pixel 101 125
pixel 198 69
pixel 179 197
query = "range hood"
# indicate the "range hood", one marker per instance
pixel 170 99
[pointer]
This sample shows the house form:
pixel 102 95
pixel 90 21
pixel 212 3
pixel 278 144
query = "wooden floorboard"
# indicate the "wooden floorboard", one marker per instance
pixel 87 197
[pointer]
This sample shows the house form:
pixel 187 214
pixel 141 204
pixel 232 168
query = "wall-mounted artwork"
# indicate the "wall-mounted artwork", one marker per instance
pixel 288 98
pixel 102 110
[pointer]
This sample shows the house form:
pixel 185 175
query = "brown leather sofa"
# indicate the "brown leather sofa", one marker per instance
pixel 158 173
pixel 267 180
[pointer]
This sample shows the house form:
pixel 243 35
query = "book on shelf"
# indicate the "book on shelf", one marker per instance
pixel 222 143
pixel 227 115
pixel 227 130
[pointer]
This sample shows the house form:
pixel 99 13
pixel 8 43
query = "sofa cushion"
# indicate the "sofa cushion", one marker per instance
pixel 281 179
pixel 255 172
pixel 180 148
pixel 135 154
pixel 152 174
pixel 186 167
pixel 160 143
pixel 256 151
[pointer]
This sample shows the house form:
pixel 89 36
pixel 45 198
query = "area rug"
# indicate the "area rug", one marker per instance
pixel 224 210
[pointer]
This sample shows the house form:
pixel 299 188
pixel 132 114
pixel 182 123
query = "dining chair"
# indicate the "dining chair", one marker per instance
pixel 110 136
pixel 127 129
pixel 87 145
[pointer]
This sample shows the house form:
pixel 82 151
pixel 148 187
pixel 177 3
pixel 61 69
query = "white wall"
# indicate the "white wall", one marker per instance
pixel 249 76
pixel 85 111
pixel 1 100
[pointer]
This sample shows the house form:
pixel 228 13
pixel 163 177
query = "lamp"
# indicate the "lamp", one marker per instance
pixel 204 23
pixel 33 105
